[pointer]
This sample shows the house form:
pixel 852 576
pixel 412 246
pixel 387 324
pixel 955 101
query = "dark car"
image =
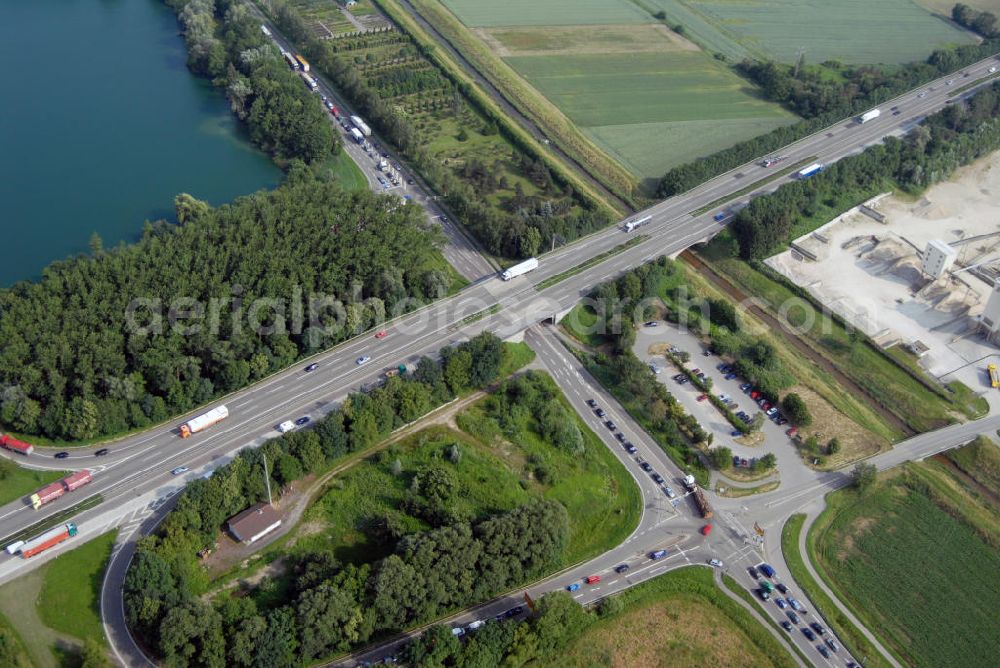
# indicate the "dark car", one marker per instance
pixel 782 588
pixel 61 455
pixel 515 611
pixel 792 616
pixel 591 403
pixel 302 420
pixel 657 478
pixel 808 634
pixel 600 412
pixel 631 449
pixel 312 367
pixel 832 644
pixel 818 628
pixel 610 425
pixel 787 625
pixel 101 452
pixel 621 569
pixel 752 570
pixel 621 437
pixel 824 651
pixel 645 466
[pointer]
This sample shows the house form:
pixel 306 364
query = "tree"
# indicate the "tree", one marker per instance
pixel 833 447
pixel 863 476
pixel 757 421
pixel 192 634
pixel 722 457
pixel 768 461
pixel 796 410
pixel 432 648
pixel 93 655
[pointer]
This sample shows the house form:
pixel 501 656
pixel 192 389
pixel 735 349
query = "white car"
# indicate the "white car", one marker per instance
pixel 286 426
pixel 715 562
pixel 363 359
pixel 179 470
pixel 475 625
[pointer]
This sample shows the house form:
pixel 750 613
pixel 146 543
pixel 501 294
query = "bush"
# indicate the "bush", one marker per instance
pixel 796 410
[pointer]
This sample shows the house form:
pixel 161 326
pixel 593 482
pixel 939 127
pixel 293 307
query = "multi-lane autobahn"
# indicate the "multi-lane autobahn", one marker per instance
pixel 141 464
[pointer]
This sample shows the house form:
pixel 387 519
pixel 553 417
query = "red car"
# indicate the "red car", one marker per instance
pixel 792 431
pixel 754 394
pixel 381 334
pixel 702 397
pixel 592 579
pixel 707 529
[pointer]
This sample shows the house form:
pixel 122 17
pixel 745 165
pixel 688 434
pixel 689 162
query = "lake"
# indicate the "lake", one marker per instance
pixel 102 125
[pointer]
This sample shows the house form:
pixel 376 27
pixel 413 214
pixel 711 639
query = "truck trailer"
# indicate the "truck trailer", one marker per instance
pixel 358 137
pixel 8 442
pixel 994 375
pixel 869 116
pixel 290 59
pixel 204 421
pixel 635 224
pixel 703 507
pixel 264 29
pixel 303 63
pixel 811 170
pixel 519 269
pixel 310 82
pixel 55 490
pixel 361 125
pixel 48 539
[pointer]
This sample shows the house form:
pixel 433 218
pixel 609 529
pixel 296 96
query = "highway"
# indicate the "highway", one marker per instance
pixel 143 461
pixel 140 464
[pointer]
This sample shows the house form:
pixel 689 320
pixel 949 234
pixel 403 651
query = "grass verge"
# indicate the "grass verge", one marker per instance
pixel 71 591
pixel 740 492
pixel 597 259
pixel 13 653
pixel 17 482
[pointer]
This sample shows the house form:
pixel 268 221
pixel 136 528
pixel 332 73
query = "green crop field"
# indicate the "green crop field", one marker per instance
pixel 478 13
pixel 852 31
pixel 652 111
pixel 904 557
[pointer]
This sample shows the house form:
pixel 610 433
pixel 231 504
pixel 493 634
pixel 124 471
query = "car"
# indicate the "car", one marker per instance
pixel 795 604
pixel 302 420
pixel 763 593
pixel 610 425
pixel 101 452
pixel 622 568
pixel 823 650
pixel 702 397
pixel 715 562
pixel 832 644
pixel 922 94
pixel 722 366
pixel 782 588
pixel 573 587
pixel 808 634
pixel 179 470
pixel 745 387
pixel 682 381
pixel 591 403
pixel 702 377
pixel 381 334
pixel 792 431
pixel 363 360
pixel 787 625
pixel 655 369
pixel 631 449
pixel 696 371
pixel 475 625
pixel 780 602
pixel 754 394
pixel 736 433
pixel 818 628
pixel 514 612
pixel 599 412
pixel 651 323
pixel 736 460
pixel 792 616
pixel 771 412
pixel 766 405
pixel 657 478
pixel 719 216
pixel 781 420
pixel 766 569
pixel 458 632
pixel 657 555
pixel 731 375
pixel 592 579
pixel 621 437
pixel 896 113
pixel 752 570
pixel 723 398
pixel 61 455
pixel 949 82
pixel 646 466
pixel 670 493
pixel 312 367
pixel 743 462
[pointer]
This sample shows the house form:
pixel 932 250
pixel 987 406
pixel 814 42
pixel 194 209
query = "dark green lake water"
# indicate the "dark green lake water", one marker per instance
pixel 101 125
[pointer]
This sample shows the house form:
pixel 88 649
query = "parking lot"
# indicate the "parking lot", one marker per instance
pixel 772 438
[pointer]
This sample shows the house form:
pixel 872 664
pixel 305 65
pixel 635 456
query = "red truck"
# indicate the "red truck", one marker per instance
pixel 57 489
pixel 14 445
pixel 48 539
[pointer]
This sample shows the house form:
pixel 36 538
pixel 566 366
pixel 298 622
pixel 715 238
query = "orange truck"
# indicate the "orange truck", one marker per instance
pixel 204 421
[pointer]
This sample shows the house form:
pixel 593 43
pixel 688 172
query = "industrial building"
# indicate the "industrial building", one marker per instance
pixel 938 258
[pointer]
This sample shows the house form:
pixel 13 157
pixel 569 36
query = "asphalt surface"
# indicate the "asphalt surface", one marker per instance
pixel 140 465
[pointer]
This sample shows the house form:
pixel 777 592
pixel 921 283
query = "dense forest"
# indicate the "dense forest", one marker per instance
pixel 822 95
pixel 128 337
pixel 955 136
pixel 330 607
pixel 519 227
pixel 225 44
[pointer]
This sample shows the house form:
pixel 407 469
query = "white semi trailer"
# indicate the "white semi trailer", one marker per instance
pixel 520 269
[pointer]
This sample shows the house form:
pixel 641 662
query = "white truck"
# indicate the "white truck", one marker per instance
pixel 519 269
pixel 204 421
pixel 690 482
pixel 361 125
pixel 310 82
pixel 286 426
pixel 869 116
pixel 358 137
pixel 263 29
pixel 637 223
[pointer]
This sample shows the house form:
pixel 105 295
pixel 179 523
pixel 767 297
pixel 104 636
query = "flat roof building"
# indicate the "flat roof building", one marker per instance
pixel 254 523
